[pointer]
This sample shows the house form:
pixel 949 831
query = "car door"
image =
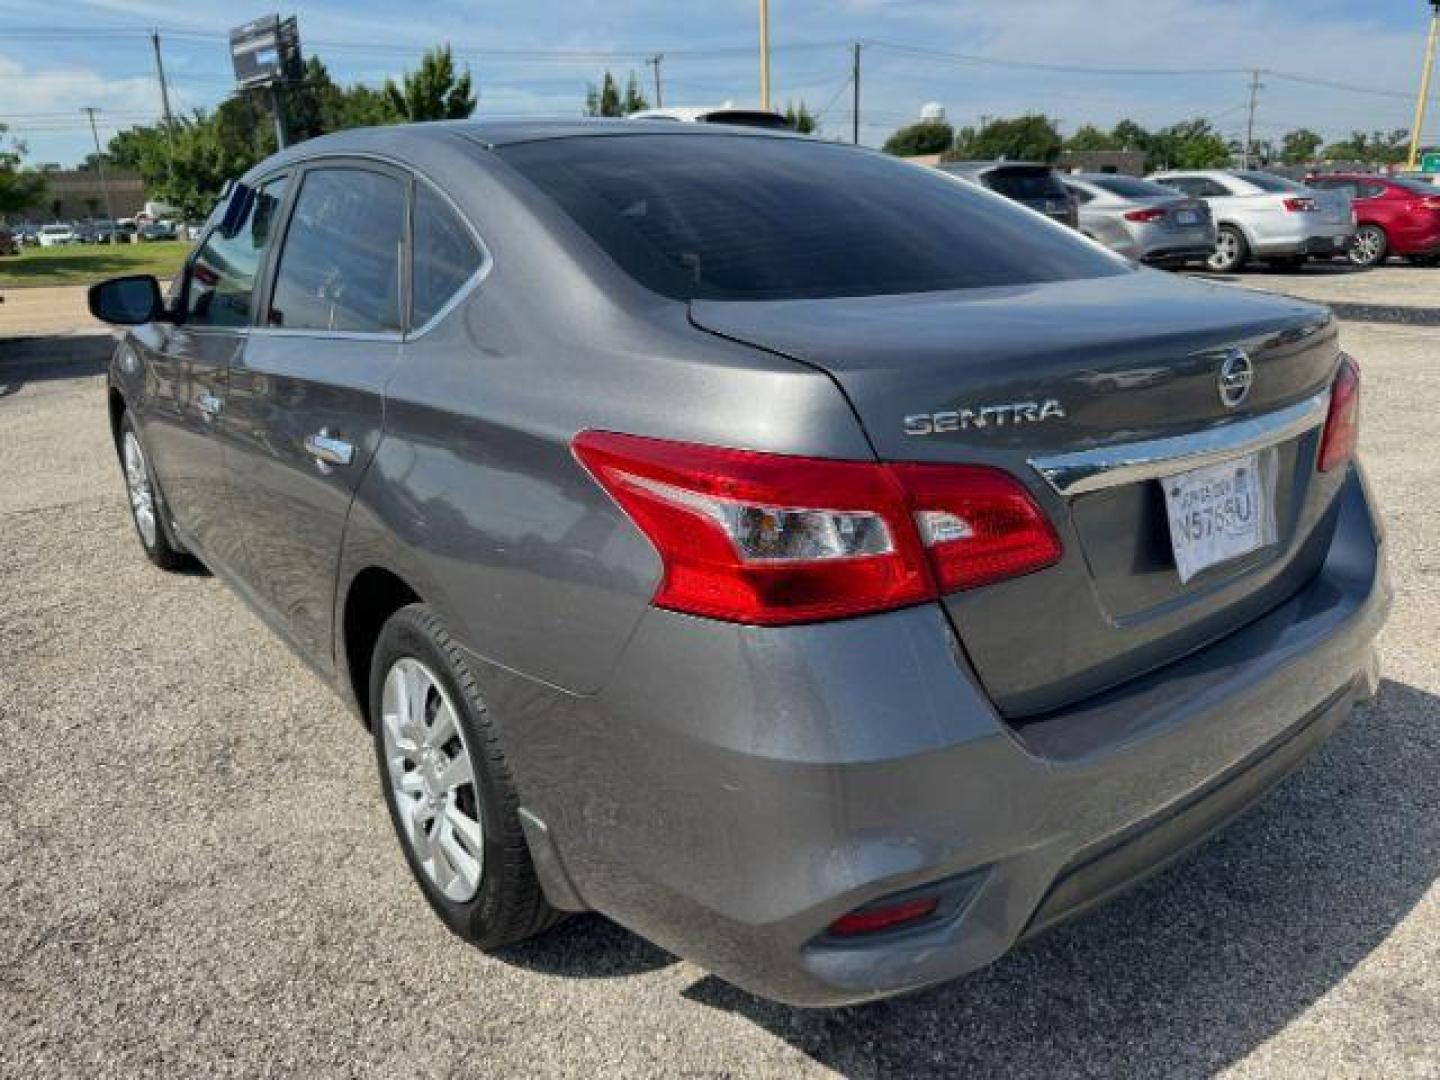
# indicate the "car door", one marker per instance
pixel 187 367
pixel 305 405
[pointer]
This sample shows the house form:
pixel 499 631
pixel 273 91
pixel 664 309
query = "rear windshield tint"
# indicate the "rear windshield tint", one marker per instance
pixel 1270 182
pixel 1024 183
pixel 1129 187
pixel 756 218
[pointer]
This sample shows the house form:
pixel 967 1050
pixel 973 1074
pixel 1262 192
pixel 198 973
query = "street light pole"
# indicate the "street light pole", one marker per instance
pixel 100 162
pixel 765 54
pixel 654 62
pixel 1425 72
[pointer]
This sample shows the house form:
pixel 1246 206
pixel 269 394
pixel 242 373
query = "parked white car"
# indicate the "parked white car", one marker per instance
pixel 1264 216
pixel 57 235
pixel 723 114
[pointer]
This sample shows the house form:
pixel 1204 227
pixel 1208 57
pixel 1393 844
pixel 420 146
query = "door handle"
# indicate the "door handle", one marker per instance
pixel 208 404
pixel 328 448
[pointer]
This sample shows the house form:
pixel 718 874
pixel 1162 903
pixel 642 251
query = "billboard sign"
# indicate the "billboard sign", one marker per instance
pixel 266 51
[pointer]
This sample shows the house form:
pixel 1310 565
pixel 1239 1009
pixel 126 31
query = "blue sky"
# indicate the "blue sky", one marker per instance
pixel 58 56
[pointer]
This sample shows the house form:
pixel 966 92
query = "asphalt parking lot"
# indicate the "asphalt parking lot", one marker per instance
pixel 197 876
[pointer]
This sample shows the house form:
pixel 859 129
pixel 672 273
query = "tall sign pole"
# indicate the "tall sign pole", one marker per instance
pixel 1425 72
pixel 764 54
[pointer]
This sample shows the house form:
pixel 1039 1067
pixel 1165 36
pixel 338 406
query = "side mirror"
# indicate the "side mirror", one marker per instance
pixel 127 301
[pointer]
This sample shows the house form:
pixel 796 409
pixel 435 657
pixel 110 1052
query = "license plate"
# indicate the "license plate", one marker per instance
pixel 1187 217
pixel 1220 512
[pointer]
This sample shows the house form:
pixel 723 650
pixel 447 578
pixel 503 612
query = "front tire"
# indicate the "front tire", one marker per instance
pixel 148 511
pixel 451 798
pixel 1369 247
pixel 1231 251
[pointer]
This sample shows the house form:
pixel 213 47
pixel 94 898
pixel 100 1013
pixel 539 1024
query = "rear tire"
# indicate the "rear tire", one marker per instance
pixel 451 798
pixel 1370 247
pixel 1231 250
pixel 148 511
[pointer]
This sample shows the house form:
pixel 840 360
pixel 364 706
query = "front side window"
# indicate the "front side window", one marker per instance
pixel 446 255
pixel 339 266
pixel 747 217
pixel 221 281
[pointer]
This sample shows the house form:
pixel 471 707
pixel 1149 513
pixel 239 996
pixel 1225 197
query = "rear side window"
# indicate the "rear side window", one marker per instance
pixel 1024 183
pixel 736 217
pixel 446 255
pixel 1277 185
pixel 221 280
pixel 1128 187
pixel 340 263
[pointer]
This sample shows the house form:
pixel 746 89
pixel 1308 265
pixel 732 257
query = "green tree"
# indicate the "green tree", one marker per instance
pixel 801 119
pixel 1131 136
pixel 921 137
pixel 20 188
pixel 1299 146
pixel 608 100
pixel 1032 137
pixel 1190 144
pixel 1090 137
pixel 434 92
pixel 1376 148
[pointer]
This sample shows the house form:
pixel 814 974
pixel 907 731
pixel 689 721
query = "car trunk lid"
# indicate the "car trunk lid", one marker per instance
pixel 1016 377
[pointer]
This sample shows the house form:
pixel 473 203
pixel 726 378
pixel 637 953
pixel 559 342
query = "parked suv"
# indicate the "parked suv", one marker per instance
pixel 1029 184
pixel 1266 216
pixel 826 569
pixel 1141 220
pixel 1395 216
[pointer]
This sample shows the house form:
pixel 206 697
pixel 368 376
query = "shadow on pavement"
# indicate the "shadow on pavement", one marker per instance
pixel 45 357
pixel 1195 969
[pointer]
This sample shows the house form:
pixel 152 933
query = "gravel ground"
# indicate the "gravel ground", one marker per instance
pixel 197 876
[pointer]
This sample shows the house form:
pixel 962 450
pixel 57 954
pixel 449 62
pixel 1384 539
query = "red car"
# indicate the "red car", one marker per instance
pixel 1394 217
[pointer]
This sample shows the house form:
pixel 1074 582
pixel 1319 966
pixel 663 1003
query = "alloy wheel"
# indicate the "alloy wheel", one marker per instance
pixel 142 496
pixel 432 779
pixel 1368 247
pixel 1227 251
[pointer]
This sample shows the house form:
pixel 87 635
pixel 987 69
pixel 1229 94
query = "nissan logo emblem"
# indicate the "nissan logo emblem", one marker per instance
pixel 1236 378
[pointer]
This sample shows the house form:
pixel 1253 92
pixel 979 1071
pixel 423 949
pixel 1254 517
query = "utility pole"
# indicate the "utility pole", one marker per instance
pixel 855 92
pixel 100 161
pixel 654 62
pixel 1425 72
pixel 1255 87
pixel 764 54
pixel 165 107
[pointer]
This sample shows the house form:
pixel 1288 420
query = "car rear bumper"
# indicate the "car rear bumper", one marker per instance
pixel 1328 243
pixel 733 790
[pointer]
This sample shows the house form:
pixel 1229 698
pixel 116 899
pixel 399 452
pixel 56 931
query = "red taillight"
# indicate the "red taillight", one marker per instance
pixel 772 539
pixel 1294 204
pixel 1430 202
pixel 870 920
pixel 1342 426
pixel 1144 215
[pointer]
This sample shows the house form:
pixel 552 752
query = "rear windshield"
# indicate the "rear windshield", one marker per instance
pixel 1130 188
pixel 748 118
pixel 1024 183
pixel 755 218
pixel 1420 187
pixel 1270 182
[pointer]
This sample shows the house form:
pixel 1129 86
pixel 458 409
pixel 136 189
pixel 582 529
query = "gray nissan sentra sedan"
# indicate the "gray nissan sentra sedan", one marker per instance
pixel 831 572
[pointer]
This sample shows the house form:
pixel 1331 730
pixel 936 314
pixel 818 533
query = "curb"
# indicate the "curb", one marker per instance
pixel 92 348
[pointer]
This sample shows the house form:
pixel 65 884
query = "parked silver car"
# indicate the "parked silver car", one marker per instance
pixel 1142 220
pixel 1266 216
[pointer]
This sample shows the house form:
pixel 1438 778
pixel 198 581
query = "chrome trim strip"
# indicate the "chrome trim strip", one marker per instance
pixel 1110 466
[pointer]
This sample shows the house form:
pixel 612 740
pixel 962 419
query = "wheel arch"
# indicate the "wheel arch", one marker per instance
pixel 1240 227
pixel 373 595
pixel 115 402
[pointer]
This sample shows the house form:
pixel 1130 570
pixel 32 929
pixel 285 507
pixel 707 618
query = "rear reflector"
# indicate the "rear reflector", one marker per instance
pixel 1144 215
pixel 771 539
pixel 870 920
pixel 1342 426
